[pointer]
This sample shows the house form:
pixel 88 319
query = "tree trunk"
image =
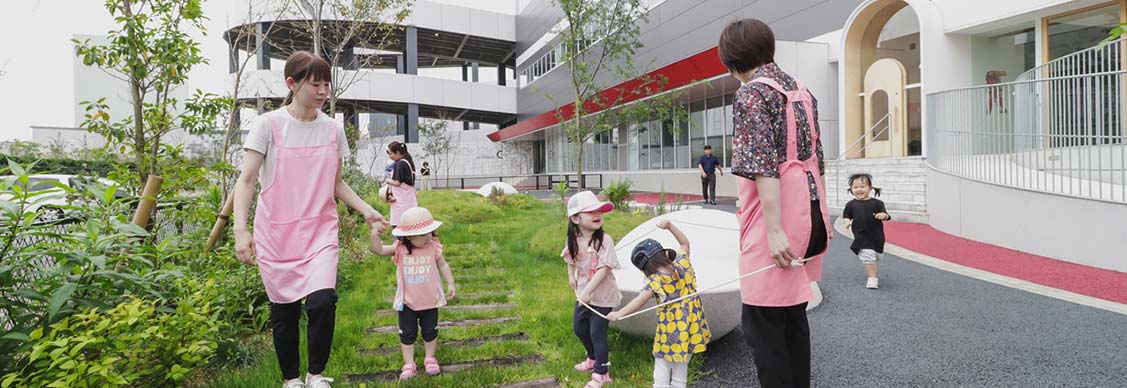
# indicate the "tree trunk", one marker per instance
pixel 138 129
pixel 578 167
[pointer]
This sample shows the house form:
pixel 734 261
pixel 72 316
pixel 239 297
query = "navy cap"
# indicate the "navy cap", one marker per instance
pixel 644 251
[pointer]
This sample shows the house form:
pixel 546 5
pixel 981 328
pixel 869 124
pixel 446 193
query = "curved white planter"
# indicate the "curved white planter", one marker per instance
pixel 714 235
pixel 506 188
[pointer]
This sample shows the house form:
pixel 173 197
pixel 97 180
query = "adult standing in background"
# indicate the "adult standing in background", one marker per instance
pixel 709 165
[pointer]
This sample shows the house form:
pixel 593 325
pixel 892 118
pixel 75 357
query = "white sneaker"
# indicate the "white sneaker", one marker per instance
pixel 318 382
pixel 872 283
pixel 295 383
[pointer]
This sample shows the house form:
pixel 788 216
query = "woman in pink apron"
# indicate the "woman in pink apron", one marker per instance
pixel 783 214
pixel 295 153
pixel 402 181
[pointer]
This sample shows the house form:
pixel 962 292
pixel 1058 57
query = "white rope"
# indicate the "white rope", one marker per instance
pixel 752 273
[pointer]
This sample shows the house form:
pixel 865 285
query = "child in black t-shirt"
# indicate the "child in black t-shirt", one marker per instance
pixel 865 216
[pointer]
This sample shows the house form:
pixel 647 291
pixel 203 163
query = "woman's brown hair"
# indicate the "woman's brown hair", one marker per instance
pixel 303 65
pixel 746 44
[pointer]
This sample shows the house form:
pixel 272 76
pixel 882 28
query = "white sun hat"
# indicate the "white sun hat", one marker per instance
pixel 416 221
pixel 586 201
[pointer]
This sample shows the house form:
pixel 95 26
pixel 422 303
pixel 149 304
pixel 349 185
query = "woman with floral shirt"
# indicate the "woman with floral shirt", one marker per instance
pixel 783 214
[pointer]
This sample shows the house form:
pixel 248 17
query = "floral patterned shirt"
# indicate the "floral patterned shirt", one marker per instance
pixel 759 145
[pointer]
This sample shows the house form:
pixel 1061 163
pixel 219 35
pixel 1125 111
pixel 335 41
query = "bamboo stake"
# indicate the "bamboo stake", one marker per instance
pixel 148 203
pixel 220 222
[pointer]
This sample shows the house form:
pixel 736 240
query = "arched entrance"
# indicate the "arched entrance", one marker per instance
pixel 885 110
pixel 882 49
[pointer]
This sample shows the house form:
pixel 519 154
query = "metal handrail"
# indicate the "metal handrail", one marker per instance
pixel 864 136
pixel 1047 67
pixel 542 181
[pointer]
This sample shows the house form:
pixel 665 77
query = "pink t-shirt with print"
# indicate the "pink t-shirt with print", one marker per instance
pixel 587 262
pixel 420 283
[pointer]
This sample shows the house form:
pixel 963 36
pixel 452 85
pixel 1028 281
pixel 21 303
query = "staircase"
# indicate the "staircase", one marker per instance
pixel 903 184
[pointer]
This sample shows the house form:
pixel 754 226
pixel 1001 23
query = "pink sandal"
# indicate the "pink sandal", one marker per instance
pixel 597 380
pixel 431 365
pixel 407 372
pixel 585 366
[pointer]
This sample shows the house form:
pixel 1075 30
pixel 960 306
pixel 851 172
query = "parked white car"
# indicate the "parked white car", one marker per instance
pixel 52 206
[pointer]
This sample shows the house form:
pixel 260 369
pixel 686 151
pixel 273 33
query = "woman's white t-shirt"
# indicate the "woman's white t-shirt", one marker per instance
pixel 294 134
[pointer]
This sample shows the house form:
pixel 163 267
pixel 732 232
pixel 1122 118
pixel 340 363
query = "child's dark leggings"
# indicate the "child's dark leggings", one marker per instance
pixel 592 331
pixel 410 321
pixel 321 309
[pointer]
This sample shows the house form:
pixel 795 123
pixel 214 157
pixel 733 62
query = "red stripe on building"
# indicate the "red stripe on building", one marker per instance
pixel 703 65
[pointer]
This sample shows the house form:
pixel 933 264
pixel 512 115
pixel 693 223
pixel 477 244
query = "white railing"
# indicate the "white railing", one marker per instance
pixel 1059 128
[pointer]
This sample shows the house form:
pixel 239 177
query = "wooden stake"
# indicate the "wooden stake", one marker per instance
pixel 148 201
pixel 220 222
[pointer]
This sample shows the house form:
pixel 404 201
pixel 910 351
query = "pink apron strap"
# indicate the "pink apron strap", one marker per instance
pixel 808 104
pixel 792 130
pixel 333 137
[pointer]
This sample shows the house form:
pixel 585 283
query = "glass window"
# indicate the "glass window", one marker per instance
pixel 729 128
pixel 1072 33
pixel 655 144
pixel 696 132
pixel 683 159
pixel 632 155
pixel 668 151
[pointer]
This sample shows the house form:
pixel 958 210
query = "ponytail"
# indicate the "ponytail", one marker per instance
pixel 401 148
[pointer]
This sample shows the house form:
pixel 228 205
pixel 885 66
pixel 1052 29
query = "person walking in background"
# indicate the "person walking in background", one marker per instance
pixel 402 181
pixel 709 165
pixel 426 176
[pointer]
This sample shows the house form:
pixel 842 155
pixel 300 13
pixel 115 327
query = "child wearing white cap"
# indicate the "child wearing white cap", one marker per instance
pixel 591 259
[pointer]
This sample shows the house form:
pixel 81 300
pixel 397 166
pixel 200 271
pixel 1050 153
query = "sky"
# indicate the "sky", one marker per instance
pixel 38 57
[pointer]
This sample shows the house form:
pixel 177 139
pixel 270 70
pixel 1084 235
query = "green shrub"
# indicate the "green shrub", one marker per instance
pixel 64 166
pixel 457 206
pixel 132 344
pixel 618 193
pixel 561 188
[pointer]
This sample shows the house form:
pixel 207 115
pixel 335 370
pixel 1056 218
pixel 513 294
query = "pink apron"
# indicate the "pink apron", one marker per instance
pixel 405 198
pixel 782 287
pixel 295 222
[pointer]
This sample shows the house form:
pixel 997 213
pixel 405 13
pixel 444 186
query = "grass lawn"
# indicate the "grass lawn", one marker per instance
pixel 494 249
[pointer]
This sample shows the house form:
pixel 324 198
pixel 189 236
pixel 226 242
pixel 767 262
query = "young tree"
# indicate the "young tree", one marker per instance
pixel 243 38
pixel 338 27
pixel 152 52
pixel 439 144
pixel 600 39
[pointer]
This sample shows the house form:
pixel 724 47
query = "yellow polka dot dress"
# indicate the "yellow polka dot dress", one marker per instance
pixel 681 327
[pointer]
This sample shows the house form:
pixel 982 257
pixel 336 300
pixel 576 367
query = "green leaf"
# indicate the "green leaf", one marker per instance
pixel 61 295
pixel 16 336
pixel 16 168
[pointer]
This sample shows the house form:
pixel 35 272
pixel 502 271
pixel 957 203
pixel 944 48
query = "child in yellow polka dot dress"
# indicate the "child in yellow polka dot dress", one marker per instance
pixel 681 328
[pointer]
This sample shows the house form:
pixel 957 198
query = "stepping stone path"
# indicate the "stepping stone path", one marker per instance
pixel 456 343
pixel 472 278
pixel 547 382
pixel 448 324
pixel 450 368
pixel 471 307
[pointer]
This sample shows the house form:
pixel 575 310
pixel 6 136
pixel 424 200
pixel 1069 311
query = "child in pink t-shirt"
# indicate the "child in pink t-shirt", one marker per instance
pixel 590 258
pixel 418 295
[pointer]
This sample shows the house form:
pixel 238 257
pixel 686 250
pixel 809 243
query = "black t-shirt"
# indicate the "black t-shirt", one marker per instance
pixel 426 171
pixel 403 173
pixel 868 231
